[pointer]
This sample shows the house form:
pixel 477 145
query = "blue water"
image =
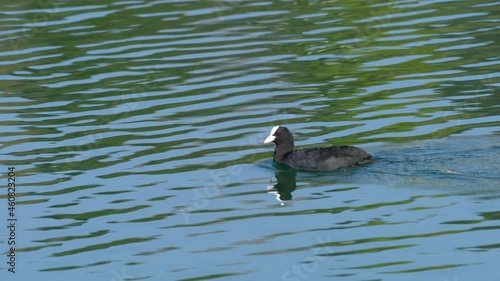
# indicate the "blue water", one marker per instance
pixel 136 131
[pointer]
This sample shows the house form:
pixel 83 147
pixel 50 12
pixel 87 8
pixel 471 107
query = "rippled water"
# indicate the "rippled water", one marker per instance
pixel 136 132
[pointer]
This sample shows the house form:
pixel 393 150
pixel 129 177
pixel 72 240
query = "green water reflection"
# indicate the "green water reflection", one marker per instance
pixel 136 129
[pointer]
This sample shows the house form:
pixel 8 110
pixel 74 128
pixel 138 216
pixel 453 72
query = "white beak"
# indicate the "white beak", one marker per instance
pixel 269 139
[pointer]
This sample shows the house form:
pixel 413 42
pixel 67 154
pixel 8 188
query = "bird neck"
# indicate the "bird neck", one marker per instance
pixel 281 150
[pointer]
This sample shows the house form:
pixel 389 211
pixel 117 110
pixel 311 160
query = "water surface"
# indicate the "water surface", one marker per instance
pixel 136 131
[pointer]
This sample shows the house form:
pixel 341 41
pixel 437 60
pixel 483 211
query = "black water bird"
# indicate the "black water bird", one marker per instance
pixel 314 159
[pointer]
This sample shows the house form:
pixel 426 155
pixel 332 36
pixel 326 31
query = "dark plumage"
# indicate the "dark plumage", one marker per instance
pixel 314 159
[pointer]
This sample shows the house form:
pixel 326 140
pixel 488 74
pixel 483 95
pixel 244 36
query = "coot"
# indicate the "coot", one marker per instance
pixel 314 159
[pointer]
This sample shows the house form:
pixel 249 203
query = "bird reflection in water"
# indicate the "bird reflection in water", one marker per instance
pixel 286 183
